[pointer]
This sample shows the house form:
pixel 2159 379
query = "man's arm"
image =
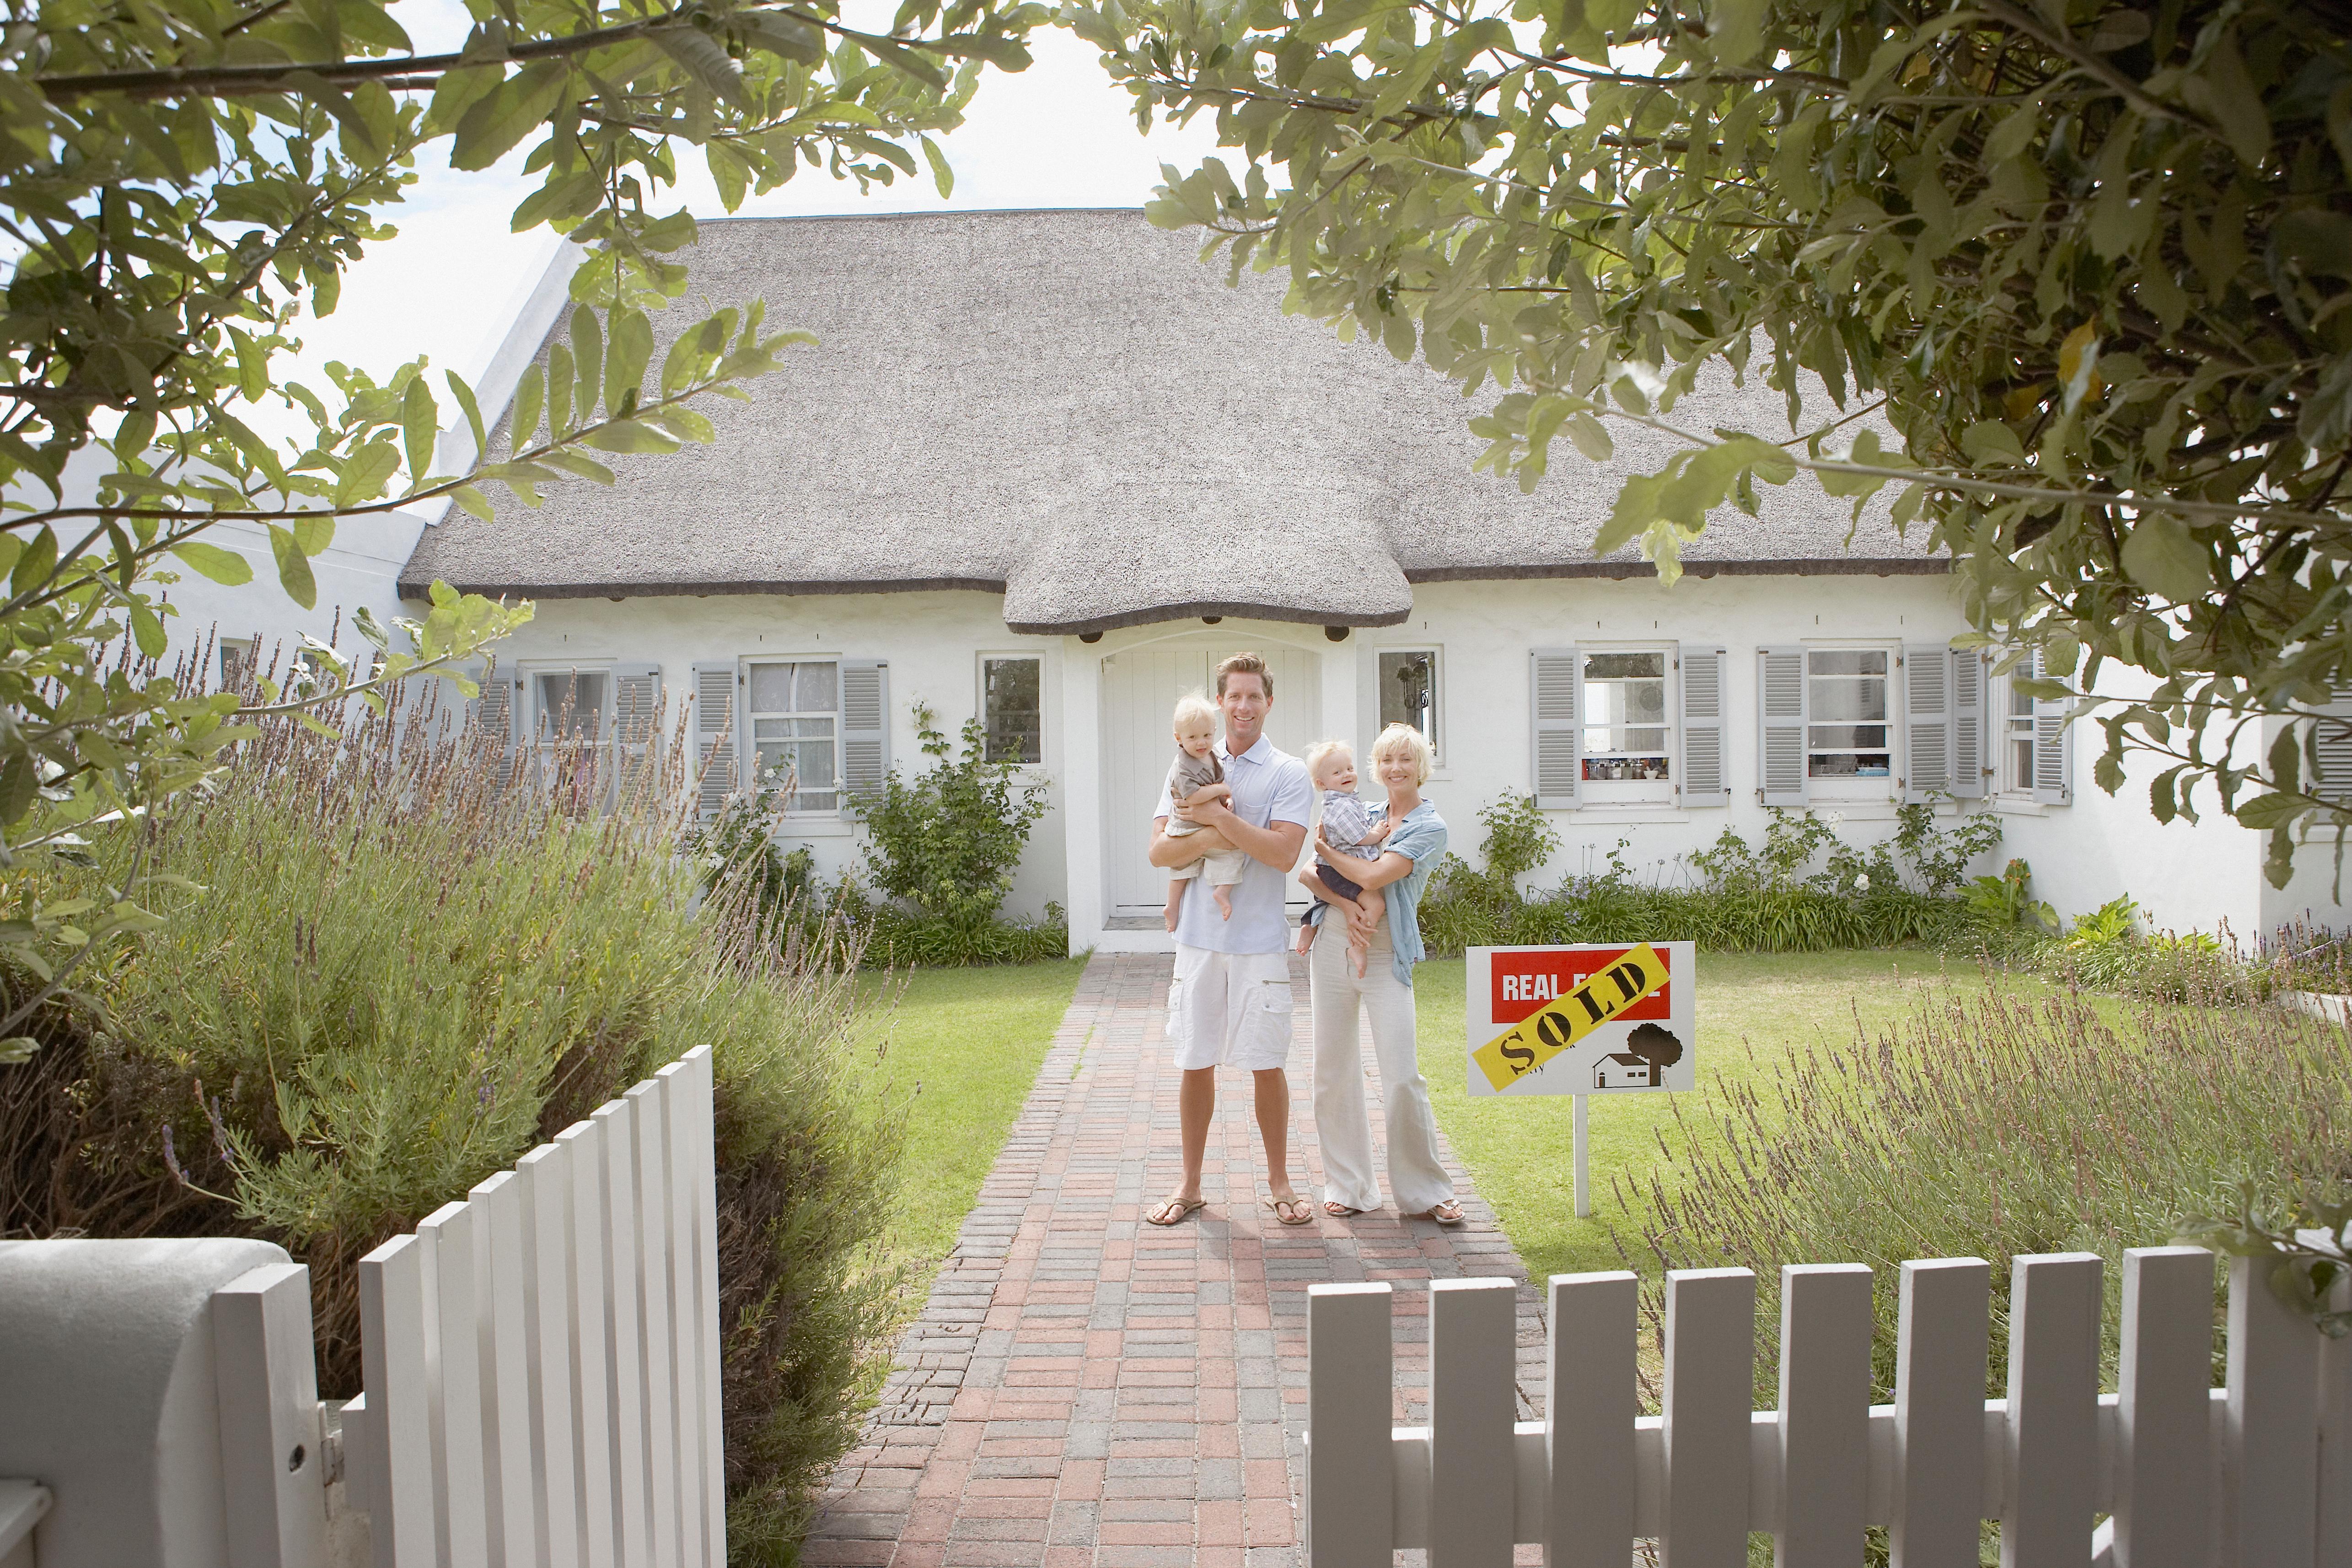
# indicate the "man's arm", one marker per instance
pixel 1277 844
pixel 1170 853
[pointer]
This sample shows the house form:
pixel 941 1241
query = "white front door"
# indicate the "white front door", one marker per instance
pixel 1140 688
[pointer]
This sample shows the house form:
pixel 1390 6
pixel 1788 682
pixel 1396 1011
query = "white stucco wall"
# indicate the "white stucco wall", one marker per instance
pixel 933 641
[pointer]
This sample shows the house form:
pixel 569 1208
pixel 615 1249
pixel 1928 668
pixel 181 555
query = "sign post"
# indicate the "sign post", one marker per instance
pixel 1585 1019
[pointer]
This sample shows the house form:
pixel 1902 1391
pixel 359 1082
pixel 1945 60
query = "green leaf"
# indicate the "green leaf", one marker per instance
pixel 420 424
pixel 559 392
pixel 464 397
pixel 293 567
pixel 1735 30
pixel 2267 811
pixel 314 532
pixel 2163 556
pixel 500 119
pixel 588 354
pixel 34 566
pixel 147 630
pixel 630 435
pixel 706 61
pixel 624 362
pixel 1990 443
pixel 474 502
pixel 2234 101
pixel 225 567
pixel 531 395
pixel 362 475
pixel 942 175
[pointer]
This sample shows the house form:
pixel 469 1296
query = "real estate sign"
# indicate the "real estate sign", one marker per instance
pixel 1590 1019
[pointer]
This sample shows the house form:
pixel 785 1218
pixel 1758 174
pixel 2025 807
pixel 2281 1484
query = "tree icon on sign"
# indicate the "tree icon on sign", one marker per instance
pixel 1662 1048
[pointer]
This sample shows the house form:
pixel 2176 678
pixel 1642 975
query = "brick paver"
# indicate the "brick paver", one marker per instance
pixel 1086 1389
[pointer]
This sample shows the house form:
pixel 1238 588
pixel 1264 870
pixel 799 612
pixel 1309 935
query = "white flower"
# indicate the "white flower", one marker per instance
pixel 1862 882
pixel 1835 819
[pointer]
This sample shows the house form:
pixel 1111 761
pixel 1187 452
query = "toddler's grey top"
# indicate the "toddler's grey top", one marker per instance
pixel 1193 775
pixel 1346 820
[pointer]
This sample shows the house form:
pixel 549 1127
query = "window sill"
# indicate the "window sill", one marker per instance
pixel 813 826
pixel 2013 807
pixel 1616 811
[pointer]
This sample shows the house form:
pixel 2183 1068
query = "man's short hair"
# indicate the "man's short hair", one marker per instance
pixel 1245 664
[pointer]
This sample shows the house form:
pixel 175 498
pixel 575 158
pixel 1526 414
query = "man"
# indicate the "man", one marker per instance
pixel 1229 1001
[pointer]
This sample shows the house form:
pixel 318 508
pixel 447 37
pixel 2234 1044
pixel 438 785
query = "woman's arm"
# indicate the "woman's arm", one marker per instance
pixel 1368 875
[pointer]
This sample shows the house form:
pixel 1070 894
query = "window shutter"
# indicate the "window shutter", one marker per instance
pixel 1969 741
pixel 1704 779
pixel 714 736
pixel 2331 745
pixel 1782 779
pixel 1926 720
pixel 2053 744
pixel 494 718
pixel 636 707
pixel 1553 683
pixel 864 724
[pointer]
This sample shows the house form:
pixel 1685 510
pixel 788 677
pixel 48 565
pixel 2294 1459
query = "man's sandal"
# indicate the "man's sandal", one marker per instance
pixel 1174 1211
pixel 1304 1214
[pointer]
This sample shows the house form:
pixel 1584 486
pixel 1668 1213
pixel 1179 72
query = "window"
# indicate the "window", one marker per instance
pixel 1846 727
pixel 571 705
pixel 1409 690
pixel 795 715
pixel 1625 726
pixel 240 662
pixel 1011 715
pixel 2017 742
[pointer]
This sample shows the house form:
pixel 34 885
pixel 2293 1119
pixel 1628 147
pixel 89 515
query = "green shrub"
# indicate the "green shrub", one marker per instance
pixel 1995 1123
pixel 1741 897
pixel 949 840
pixel 392 978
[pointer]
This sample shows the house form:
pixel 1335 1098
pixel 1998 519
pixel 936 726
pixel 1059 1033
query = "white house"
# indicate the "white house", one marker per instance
pixel 1046 469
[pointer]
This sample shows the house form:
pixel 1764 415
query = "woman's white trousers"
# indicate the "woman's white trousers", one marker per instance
pixel 1342 1121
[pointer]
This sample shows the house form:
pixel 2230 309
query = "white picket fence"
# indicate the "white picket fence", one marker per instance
pixel 542 1359
pixel 2257 1474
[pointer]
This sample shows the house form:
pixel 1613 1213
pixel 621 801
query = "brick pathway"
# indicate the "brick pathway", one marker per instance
pixel 1086 1389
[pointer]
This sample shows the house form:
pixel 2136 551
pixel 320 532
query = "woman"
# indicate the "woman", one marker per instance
pixel 1386 917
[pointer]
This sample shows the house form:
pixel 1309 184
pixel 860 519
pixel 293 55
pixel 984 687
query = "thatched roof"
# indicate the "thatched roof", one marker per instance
pixel 1071 409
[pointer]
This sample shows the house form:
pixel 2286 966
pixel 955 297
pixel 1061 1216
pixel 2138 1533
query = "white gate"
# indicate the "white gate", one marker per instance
pixel 2257 1474
pixel 542 1359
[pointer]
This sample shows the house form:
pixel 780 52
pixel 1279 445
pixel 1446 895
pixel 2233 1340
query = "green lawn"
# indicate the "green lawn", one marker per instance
pixel 1753 1010
pixel 972 1040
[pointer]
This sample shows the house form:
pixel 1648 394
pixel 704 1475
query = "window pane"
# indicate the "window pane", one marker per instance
pixel 1624 714
pixel 571 706
pixel 1847 661
pixel 818 689
pixel 1849 699
pixel 771 728
pixel 771 689
pixel 1610 769
pixel 815 759
pixel 1409 690
pixel 1625 666
pixel 2021 703
pixel 812 727
pixel 1848 737
pixel 1013 718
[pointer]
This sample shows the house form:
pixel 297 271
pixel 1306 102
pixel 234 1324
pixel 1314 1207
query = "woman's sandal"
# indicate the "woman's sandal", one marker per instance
pixel 1305 1214
pixel 1460 1214
pixel 1174 1211
pixel 1341 1211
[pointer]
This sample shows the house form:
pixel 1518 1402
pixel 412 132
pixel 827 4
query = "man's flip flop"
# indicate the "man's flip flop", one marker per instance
pixel 1305 1214
pixel 1174 1211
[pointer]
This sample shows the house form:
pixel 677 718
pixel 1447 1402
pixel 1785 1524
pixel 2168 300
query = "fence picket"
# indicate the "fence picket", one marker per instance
pixel 506 1372
pixel 1824 1416
pixel 652 1306
pixel 545 1174
pixel 1710 1374
pixel 624 1336
pixel 2051 1456
pixel 1590 1403
pixel 591 1395
pixel 1351 1485
pixel 450 1249
pixel 2270 1485
pixel 2333 1548
pixel 399 1440
pixel 683 1275
pixel 2164 1457
pixel 704 1124
pixel 1471 1450
pixel 1939 1414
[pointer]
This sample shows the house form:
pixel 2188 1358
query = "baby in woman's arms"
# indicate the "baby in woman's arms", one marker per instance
pixel 1348 827
pixel 1196 779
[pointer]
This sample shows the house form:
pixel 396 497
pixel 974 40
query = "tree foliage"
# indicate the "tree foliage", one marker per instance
pixel 179 179
pixel 2088 261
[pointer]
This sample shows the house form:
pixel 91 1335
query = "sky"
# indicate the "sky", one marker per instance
pixel 1058 134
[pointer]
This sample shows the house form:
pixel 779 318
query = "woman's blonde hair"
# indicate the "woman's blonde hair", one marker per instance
pixel 1322 749
pixel 1402 737
pixel 1192 705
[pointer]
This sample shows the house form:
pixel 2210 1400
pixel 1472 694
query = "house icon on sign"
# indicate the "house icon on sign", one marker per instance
pixel 1620 1070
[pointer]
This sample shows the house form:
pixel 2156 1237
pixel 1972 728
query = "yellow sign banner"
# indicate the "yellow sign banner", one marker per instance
pixel 1567 1018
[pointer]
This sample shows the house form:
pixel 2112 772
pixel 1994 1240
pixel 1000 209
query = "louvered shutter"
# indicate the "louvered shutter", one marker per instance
pixel 494 718
pixel 1968 739
pixel 2331 745
pixel 864 724
pixel 1553 680
pixel 636 707
pixel 1705 782
pixel 715 736
pixel 2053 743
pixel 1781 777
pixel 1926 720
